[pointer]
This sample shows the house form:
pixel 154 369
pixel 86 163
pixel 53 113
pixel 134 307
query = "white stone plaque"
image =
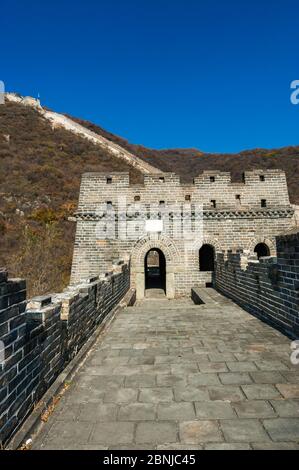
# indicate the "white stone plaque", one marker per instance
pixel 154 225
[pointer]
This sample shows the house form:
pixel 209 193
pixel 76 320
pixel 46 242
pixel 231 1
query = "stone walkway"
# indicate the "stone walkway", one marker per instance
pixel 173 375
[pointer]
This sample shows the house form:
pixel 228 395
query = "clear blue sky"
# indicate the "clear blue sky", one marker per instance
pixel 211 74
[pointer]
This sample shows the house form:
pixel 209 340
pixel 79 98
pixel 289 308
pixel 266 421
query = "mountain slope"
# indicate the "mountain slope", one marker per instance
pixel 40 173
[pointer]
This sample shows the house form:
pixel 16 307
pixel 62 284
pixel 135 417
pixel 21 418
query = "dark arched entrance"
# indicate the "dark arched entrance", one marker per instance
pixel 155 270
pixel 206 258
pixel 261 250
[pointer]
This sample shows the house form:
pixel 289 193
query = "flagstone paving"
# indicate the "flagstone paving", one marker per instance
pixel 169 374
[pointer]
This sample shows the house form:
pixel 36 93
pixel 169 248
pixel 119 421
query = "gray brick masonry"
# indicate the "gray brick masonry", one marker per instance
pixel 269 287
pixel 43 337
pixel 233 217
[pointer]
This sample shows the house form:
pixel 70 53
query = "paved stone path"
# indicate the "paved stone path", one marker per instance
pixel 173 375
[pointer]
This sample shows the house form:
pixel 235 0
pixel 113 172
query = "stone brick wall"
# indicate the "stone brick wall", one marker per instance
pixel 42 335
pixel 238 219
pixel 268 288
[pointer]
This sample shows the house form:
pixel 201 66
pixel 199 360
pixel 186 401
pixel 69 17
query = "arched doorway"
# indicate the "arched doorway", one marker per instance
pixel 206 258
pixel 261 250
pixel 172 263
pixel 155 270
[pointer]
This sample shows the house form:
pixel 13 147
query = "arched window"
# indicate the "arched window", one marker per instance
pixel 206 258
pixel 261 250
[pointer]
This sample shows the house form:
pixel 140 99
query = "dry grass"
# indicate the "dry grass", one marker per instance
pixel 40 174
pixel 50 409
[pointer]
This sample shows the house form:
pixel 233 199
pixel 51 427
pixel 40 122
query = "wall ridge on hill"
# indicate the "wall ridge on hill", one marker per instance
pixel 60 120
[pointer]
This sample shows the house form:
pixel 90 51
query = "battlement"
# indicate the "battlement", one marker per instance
pixel 260 189
pixel 41 335
pixel 207 176
pixel 267 287
pixel 163 178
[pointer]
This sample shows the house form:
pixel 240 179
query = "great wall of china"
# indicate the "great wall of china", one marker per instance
pixel 249 252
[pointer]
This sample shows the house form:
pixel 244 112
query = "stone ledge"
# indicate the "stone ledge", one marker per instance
pixel 39 302
pixel 207 214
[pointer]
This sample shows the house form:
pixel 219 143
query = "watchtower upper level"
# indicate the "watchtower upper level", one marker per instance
pixel 259 190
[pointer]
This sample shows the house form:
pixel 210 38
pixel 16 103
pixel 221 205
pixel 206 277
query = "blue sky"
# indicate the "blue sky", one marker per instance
pixel 163 73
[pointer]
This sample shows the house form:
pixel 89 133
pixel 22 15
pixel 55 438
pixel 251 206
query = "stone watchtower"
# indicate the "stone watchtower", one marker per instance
pixel 183 224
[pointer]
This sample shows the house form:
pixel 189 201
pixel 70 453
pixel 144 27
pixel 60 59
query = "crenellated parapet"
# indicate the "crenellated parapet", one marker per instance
pixel 38 337
pixel 261 189
pixel 267 287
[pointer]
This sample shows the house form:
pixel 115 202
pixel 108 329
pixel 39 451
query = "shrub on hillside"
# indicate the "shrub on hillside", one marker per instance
pixel 44 215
